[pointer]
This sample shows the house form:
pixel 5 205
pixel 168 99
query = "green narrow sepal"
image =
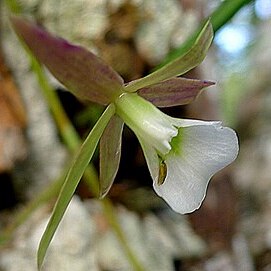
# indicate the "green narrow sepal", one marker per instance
pixel 74 175
pixel 190 59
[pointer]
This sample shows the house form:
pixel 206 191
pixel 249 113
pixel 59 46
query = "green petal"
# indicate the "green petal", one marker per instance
pixel 110 152
pixel 74 175
pixel 193 57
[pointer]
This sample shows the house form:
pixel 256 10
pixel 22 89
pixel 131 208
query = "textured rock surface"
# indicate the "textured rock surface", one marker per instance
pixel 84 241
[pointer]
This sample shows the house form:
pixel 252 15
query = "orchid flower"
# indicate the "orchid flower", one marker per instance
pixel 182 155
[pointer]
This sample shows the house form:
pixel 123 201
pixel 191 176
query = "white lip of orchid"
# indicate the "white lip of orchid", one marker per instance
pixel 182 154
pixel 199 151
pixel 147 121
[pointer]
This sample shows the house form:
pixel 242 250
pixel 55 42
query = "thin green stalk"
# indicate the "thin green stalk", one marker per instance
pixel 67 131
pixel 226 11
pixel 219 18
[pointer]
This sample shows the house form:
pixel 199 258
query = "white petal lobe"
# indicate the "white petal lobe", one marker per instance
pixel 204 149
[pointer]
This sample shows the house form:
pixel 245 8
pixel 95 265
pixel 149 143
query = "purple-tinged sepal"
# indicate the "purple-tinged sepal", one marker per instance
pixel 175 91
pixel 110 152
pixel 84 74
